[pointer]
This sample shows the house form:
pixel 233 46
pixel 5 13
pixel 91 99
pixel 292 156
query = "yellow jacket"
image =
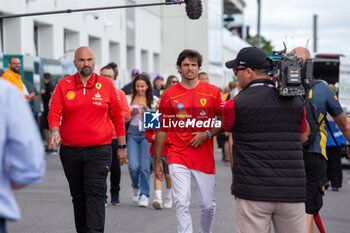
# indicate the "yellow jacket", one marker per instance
pixel 14 78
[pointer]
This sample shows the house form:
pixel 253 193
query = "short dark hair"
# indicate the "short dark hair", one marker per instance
pixel 47 76
pixel 192 55
pixel 107 67
pixel 157 78
pixel 10 59
pixel 113 65
pixel 202 73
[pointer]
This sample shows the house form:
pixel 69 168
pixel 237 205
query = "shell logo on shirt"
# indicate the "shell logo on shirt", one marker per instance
pixel 203 102
pixel 182 114
pixel 98 86
pixel 71 95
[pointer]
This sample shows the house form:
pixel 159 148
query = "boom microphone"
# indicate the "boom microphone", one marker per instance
pixel 193 9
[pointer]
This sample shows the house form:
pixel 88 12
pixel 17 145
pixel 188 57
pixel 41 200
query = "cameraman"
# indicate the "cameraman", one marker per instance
pixel 268 131
pixel 323 100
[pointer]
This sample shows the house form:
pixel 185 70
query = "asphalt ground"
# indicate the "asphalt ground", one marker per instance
pixel 47 207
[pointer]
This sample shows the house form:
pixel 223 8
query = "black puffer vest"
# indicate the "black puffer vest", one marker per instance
pixel 267 149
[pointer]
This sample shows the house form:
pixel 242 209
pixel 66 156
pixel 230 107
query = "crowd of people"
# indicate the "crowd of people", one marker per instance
pixel 276 148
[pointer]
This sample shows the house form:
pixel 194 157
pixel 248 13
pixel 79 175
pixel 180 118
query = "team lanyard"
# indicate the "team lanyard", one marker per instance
pixel 138 103
pixel 76 82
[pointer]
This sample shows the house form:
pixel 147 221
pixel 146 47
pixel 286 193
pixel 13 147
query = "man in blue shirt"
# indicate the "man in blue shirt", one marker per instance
pixel 21 150
pixel 323 100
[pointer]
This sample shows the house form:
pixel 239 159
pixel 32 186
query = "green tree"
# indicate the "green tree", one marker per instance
pixel 264 44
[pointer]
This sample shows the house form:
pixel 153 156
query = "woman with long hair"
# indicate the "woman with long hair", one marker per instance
pixel 141 99
pixel 171 80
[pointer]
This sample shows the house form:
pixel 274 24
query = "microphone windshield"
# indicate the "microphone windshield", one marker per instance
pixel 193 8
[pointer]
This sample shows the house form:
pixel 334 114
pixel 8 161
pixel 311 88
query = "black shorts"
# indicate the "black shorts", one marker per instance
pixel 316 168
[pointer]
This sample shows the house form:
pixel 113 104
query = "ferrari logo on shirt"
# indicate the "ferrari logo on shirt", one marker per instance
pixel 336 97
pixel 98 86
pixel 203 102
pixel 71 95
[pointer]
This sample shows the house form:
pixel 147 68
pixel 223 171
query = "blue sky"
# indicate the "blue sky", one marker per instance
pixel 291 21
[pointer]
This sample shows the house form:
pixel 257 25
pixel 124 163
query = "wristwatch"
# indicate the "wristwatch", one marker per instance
pixel 122 146
pixel 209 134
pixel 54 133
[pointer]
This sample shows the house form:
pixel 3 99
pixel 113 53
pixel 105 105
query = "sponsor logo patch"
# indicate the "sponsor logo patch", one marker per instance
pixel 71 95
pixel 180 106
pixel 98 86
pixel 182 114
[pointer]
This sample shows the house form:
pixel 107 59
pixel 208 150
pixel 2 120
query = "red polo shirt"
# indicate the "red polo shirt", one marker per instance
pixel 86 111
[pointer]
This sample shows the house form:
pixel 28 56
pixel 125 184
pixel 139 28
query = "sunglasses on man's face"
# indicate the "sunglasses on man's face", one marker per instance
pixel 235 70
pixel 175 81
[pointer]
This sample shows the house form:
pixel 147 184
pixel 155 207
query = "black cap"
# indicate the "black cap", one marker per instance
pixel 251 57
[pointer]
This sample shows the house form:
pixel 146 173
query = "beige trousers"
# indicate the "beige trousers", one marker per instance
pixel 256 216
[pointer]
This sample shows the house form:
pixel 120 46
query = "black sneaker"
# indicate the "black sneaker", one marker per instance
pixel 115 199
pixel 326 184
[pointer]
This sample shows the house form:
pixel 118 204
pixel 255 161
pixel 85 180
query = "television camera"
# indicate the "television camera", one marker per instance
pixel 289 71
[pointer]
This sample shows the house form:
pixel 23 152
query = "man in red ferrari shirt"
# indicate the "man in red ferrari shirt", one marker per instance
pixel 188 110
pixel 81 109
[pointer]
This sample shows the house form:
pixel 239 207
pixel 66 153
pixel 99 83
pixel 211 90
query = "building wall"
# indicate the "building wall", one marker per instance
pixel 204 35
pixel 148 38
pixel 57 36
pixel 179 33
pixel 232 44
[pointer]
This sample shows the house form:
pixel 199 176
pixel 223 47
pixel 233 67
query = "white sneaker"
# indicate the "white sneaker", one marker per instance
pixel 157 204
pixel 168 203
pixel 143 201
pixel 136 195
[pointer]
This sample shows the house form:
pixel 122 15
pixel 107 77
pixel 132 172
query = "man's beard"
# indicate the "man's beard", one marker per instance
pixel 86 72
pixel 16 70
